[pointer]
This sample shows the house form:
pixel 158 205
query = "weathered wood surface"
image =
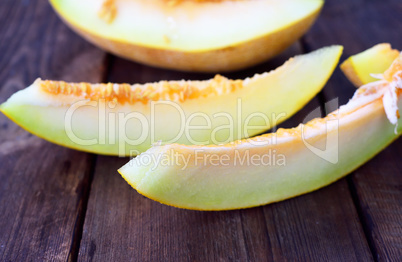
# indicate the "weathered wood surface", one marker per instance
pixel 42 186
pixel 122 225
pixel 376 186
pixel 44 206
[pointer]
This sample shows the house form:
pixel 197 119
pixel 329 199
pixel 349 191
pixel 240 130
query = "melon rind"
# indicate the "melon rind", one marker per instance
pixel 362 135
pixel 277 95
pixel 193 36
pixel 315 154
pixel 359 68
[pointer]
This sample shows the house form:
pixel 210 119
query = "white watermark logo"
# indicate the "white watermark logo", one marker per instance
pixel 330 150
pixel 200 158
pixel 127 132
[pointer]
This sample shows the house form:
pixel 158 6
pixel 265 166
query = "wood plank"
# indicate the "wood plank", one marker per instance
pixel 319 226
pixel 377 185
pixel 123 225
pixel 42 185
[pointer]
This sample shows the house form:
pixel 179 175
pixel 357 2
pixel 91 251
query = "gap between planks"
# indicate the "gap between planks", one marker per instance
pixel 82 204
pixel 323 99
pixel 87 181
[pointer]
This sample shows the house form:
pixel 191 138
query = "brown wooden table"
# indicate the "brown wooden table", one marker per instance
pixel 58 204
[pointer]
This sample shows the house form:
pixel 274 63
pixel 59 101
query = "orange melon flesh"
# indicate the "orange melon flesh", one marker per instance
pixel 375 60
pixel 122 119
pixel 275 166
pixel 206 36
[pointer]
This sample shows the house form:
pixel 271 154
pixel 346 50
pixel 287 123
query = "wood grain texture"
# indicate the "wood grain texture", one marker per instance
pixel 42 185
pixel 122 225
pixel 377 186
pixel 44 188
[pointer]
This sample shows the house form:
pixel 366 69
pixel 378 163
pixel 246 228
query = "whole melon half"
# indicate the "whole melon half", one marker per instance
pixel 190 35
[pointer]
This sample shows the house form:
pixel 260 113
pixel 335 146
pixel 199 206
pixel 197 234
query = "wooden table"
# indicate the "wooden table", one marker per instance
pixel 58 204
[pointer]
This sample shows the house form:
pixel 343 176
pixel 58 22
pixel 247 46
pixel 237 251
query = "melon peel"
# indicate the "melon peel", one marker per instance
pixel 314 155
pixel 203 36
pixel 123 119
pixel 365 67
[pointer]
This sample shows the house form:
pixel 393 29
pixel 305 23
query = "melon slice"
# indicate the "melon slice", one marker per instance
pixel 274 166
pixel 208 36
pixel 120 119
pixel 360 68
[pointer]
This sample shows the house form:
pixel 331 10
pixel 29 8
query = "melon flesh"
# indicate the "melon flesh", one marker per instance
pixel 375 60
pixel 275 166
pixel 125 120
pixel 207 36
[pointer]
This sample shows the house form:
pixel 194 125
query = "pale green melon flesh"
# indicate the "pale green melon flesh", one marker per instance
pixel 215 186
pixel 359 68
pixel 189 26
pixel 281 92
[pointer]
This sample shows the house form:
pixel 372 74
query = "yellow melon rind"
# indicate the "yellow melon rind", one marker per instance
pixel 317 154
pixel 359 68
pixel 220 55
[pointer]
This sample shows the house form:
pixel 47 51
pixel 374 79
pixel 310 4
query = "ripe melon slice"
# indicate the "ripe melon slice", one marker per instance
pixel 208 36
pixel 119 119
pixel 275 166
pixel 375 60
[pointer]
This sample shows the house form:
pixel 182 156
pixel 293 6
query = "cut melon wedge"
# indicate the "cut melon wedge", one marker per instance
pixel 375 60
pixel 119 119
pixel 275 166
pixel 208 36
